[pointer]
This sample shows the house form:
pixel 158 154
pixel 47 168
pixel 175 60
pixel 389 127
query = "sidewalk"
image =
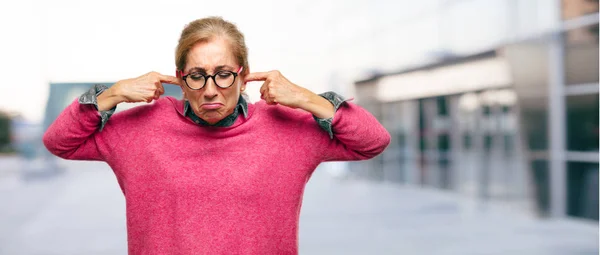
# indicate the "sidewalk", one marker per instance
pixel 78 212
pixel 9 163
pixel 82 212
pixel 360 217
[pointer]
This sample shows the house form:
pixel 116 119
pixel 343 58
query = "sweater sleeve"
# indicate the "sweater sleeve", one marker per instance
pixel 357 135
pixel 75 134
pixel 336 100
pixel 91 97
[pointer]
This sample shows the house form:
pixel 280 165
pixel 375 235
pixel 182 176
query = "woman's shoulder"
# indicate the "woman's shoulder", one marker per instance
pixel 159 107
pixel 280 113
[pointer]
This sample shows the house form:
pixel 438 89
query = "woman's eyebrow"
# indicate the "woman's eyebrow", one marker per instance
pixel 202 70
pixel 222 67
pixel 197 69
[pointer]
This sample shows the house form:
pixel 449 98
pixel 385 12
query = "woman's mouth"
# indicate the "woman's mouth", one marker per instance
pixel 211 106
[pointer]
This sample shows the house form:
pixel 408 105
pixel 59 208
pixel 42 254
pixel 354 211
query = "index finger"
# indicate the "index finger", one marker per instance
pixel 258 76
pixel 170 79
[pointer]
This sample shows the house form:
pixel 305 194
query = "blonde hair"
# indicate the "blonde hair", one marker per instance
pixel 206 29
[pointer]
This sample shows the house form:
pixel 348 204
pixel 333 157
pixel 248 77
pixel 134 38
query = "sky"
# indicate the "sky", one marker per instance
pixel 320 45
pixel 105 41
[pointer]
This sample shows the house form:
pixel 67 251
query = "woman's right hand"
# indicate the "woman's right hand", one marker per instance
pixel 145 88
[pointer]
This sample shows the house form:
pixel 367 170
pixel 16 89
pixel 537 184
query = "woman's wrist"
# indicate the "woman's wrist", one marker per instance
pixel 108 99
pixel 318 106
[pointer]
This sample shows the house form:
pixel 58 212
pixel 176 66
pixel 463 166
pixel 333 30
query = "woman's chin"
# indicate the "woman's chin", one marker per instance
pixel 211 117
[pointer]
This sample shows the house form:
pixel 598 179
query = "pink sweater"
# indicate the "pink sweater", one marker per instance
pixel 192 189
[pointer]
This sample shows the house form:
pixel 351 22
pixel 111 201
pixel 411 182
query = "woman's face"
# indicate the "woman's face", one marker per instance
pixel 212 103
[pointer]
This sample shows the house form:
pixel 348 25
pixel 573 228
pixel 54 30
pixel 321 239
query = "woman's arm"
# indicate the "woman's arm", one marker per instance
pixel 74 134
pixel 77 132
pixel 355 134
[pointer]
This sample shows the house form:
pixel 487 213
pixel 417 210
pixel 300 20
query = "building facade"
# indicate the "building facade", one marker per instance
pixel 516 124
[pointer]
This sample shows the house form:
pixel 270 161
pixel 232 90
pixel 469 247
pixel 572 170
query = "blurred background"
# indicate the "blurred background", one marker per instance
pixel 492 106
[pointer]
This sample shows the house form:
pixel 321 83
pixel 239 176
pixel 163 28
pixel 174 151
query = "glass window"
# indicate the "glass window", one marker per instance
pixel 581 55
pixel 467 141
pixel 444 143
pixel 401 140
pixel 582 190
pixel 422 128
pixel 534 117
pixel 509 144
pixel 541 180
pixel 582 122
pixel 488 142
pixel 442 106
pixel 487 110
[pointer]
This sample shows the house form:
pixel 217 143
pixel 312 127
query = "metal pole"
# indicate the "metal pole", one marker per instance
pixel 556 123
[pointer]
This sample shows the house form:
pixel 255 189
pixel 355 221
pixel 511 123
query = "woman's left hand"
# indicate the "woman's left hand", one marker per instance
pixel 276 89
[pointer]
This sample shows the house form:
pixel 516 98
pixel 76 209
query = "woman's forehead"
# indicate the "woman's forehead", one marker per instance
pixel 211 55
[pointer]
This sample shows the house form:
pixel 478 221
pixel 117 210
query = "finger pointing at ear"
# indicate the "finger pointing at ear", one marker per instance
pixel 259 76
pixel 169 79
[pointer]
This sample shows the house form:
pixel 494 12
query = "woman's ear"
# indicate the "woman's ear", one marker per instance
pixel 244 74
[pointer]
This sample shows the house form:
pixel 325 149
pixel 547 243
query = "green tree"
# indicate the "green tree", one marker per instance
pixel 5 132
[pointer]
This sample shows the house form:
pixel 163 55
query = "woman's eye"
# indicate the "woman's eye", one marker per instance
pixel 196 76
pixel 225 75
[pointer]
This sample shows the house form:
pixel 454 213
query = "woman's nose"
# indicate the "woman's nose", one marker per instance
pixel 210 89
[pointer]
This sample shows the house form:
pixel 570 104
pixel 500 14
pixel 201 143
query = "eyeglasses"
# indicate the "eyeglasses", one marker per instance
pixel 223 79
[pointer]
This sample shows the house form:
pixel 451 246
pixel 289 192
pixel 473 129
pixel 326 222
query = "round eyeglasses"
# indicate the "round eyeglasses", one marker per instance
pixel 223 79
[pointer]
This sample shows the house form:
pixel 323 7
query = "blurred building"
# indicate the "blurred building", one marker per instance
pixel 511 118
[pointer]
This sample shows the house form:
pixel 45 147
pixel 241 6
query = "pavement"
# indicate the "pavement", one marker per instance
pixel 81 211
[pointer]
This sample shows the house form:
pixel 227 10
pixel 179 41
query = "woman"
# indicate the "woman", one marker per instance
pixel 213 174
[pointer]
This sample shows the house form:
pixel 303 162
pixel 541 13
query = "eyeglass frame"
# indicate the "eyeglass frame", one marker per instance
pixel 206 77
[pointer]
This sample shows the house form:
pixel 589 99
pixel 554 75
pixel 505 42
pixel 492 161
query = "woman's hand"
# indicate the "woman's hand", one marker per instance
pixel 145 88
pixel 276 89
